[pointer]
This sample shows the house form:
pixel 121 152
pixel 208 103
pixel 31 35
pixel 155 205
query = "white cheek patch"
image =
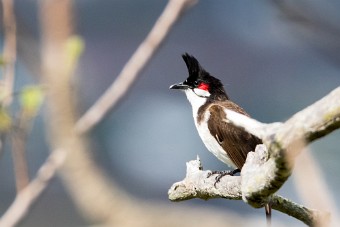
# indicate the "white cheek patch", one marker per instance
pixel 201 93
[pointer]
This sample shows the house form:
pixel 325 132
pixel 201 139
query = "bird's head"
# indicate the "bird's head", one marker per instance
pixel 200 82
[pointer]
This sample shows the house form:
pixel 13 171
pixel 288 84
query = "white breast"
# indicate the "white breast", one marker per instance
pixel 203 130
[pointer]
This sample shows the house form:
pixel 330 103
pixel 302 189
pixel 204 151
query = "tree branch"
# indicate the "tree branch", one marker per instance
pixel 26 197
pixel 134 66
pixel 314 122
pixel 197 185
pixel 9 52
pixel 7 83
pixel 308 216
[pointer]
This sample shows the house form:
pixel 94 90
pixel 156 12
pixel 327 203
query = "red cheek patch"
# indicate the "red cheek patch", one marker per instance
pixel 203 86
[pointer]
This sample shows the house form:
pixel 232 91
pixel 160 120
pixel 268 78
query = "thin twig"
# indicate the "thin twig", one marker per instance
pixel 29 194
pixel 9 55
pixel 9 52
pixel 311 187
pixel 134 66
pixel 18 139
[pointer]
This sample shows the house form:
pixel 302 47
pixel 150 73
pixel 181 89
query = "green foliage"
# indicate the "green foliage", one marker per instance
pixel 31 98
pixel 74 48
pixel 2 61
pixel 5 120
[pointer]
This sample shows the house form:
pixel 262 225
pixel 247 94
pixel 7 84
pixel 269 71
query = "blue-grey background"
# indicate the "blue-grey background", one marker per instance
pixel 271 63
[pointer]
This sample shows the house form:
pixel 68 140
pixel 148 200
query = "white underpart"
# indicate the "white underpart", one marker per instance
pixel 195 100
pixel 209 141
pixel 202 93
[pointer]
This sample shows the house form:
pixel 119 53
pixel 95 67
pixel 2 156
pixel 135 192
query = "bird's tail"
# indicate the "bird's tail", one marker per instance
pixel 268 209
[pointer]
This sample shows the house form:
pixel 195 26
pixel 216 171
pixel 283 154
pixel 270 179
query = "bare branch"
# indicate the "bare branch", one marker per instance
pixel 314 122
pixel 313 189
pixel 309 216
pixel 27 196
pixel 9 53
pixel 18 138
pixel 134 66
pixel 197 185
pixel 9 57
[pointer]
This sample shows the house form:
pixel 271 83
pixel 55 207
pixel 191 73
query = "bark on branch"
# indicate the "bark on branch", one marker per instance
pixel 197 185
pixel 265 171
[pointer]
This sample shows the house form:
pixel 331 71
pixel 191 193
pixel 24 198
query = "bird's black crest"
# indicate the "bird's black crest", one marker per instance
pixel 193 65
pixel 198 73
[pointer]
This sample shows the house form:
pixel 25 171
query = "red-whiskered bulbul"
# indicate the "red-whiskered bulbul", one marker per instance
pixel 209 101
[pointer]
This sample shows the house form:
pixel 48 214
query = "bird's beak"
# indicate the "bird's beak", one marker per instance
pixel 180 86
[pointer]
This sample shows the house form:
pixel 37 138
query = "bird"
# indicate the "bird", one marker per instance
pixel 209 101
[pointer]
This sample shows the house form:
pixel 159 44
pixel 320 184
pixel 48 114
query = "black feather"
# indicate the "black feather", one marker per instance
pixel 193 65
pixel 198 74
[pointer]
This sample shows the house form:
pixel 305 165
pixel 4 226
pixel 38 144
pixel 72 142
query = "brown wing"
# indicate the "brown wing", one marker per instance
pixel 235 141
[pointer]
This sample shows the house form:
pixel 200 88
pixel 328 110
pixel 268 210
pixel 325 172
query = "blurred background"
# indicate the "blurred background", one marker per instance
pixel 274 57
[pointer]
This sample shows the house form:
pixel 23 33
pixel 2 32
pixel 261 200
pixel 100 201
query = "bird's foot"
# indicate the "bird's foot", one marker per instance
pixel 221 174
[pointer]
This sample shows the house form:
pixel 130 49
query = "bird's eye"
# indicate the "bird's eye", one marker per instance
pixel 196 83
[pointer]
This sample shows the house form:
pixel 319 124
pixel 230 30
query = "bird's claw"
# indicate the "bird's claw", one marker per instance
pixel 221 174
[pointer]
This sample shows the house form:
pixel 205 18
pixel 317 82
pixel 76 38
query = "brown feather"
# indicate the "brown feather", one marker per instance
pixel 235 141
